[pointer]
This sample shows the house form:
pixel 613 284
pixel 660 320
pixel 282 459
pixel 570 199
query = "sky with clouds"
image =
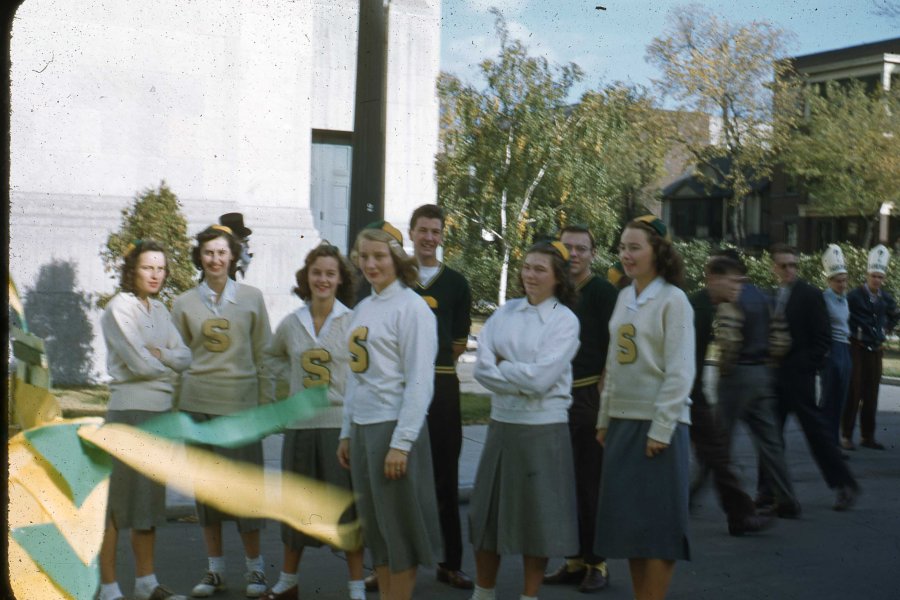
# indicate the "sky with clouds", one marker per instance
pixel 610 45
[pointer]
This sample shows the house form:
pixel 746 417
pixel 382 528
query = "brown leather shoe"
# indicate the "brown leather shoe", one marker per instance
pixel 564 575
pixel 372 582
pixel 456 579
pixel 595 579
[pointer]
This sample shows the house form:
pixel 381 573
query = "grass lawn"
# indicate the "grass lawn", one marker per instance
pixel 891 363
pixel 475 408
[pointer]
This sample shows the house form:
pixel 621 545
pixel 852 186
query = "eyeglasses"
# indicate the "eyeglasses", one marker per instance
pixel 580 249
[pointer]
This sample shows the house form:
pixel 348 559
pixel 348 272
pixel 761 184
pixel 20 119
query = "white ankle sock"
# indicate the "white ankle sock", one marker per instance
pixel 524 597
pixel 357 589
pixel 255 564
pixel 144 586
pixel 217 564
pixel 110 591
pixel 285 582
pixel 483 594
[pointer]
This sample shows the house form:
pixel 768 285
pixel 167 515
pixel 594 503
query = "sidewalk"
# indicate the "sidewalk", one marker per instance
pixel 180 505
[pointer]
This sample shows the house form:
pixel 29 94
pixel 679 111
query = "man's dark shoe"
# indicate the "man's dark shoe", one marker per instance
pixel 456 579
pixel 564 575
pixel 846 498
pixel 783 511
pixel 872 444
pixel 763 501
pixel 372 582
pixel 595 579
pixel 751 524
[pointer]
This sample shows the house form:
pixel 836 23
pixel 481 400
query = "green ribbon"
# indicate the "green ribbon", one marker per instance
pixel 82 466
pixel 241 428
pixel 52 553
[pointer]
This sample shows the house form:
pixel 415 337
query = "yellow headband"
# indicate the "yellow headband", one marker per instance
pixel 224 228
pixel 563 251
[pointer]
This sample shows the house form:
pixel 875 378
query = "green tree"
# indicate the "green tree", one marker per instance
pixel 154 214
pixel 847 151
pixel 730 72
pixel 499 147
pixel 621 145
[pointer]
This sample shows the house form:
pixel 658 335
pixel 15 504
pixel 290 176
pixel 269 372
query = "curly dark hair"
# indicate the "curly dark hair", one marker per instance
pixel 564 291
pixel 132 255
pixel 344 291
pixel 667 260
pixel 406 267
pixel 427 211
pixel 207 235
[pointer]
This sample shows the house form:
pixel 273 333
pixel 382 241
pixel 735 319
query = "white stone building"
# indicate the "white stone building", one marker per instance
pixel 238 105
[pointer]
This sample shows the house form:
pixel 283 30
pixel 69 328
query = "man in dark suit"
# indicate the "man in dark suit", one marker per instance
pixel 802 308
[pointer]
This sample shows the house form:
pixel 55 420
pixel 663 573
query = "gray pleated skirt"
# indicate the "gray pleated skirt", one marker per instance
pixel 399 517
pixel 643 509
pixel 135 501
pixel 313 453
pixel 524 496
pixel 251 453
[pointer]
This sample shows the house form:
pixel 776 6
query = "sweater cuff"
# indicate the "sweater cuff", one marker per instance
pixel 661 432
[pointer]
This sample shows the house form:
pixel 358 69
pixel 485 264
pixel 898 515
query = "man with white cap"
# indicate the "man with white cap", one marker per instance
pixel 836 373
pixel 873 314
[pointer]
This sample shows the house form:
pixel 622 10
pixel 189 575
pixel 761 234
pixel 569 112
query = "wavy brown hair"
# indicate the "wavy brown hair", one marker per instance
pixel 667 260
pixel 126 279
pixel 344 291
pixel 209 234
pixel 405 265
pixel 564 290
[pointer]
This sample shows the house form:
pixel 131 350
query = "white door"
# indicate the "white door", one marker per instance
pixel 330 191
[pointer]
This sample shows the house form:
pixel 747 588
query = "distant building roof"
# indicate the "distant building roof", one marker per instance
pixel 805 61
pixel 690 185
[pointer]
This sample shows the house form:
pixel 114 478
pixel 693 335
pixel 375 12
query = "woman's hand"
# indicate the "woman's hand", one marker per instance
pixel 343 453
pixel 601 436
pixel 395 463
pixel 654 447
pixel 157 354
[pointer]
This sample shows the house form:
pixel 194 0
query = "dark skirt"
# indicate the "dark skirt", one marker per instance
pixel 524 496
pixel 313 453
pixel 643 509
pixel 252 453
pixel 135 501
pixel 399 517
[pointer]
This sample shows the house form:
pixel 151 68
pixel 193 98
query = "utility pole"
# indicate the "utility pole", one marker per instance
pixel 367 171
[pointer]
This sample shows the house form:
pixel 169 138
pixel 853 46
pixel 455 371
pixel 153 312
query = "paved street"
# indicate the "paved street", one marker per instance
pixel 823 555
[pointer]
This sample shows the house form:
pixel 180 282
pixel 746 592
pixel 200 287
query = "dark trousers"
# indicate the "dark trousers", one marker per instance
pixel 712 449
pixel 445 430
pixel 588 455
pixel 835 384
pixel 864 380
pixel 797 394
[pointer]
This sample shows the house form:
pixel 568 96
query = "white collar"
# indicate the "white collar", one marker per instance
pixel 634 302
pixel 544 309
pixel 304 315
pixel 392 290
pixel 229 294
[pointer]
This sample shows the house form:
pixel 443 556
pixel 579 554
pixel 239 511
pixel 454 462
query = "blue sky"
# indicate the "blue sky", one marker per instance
pixel 610 45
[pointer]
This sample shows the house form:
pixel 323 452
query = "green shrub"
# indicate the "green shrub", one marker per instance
pixel 155 214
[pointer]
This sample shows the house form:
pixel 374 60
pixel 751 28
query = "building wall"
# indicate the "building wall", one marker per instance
pixel 216 97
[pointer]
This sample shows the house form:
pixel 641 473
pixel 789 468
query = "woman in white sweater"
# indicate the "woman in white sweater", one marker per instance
pixel 524 492
pixel 393 345
pixel 226 326
pixel 144 354
pixel 310 348
pixel 645 414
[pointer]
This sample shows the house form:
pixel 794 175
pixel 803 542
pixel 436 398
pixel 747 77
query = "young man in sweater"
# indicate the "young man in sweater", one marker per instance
pixel 447 293
pixel 597 298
